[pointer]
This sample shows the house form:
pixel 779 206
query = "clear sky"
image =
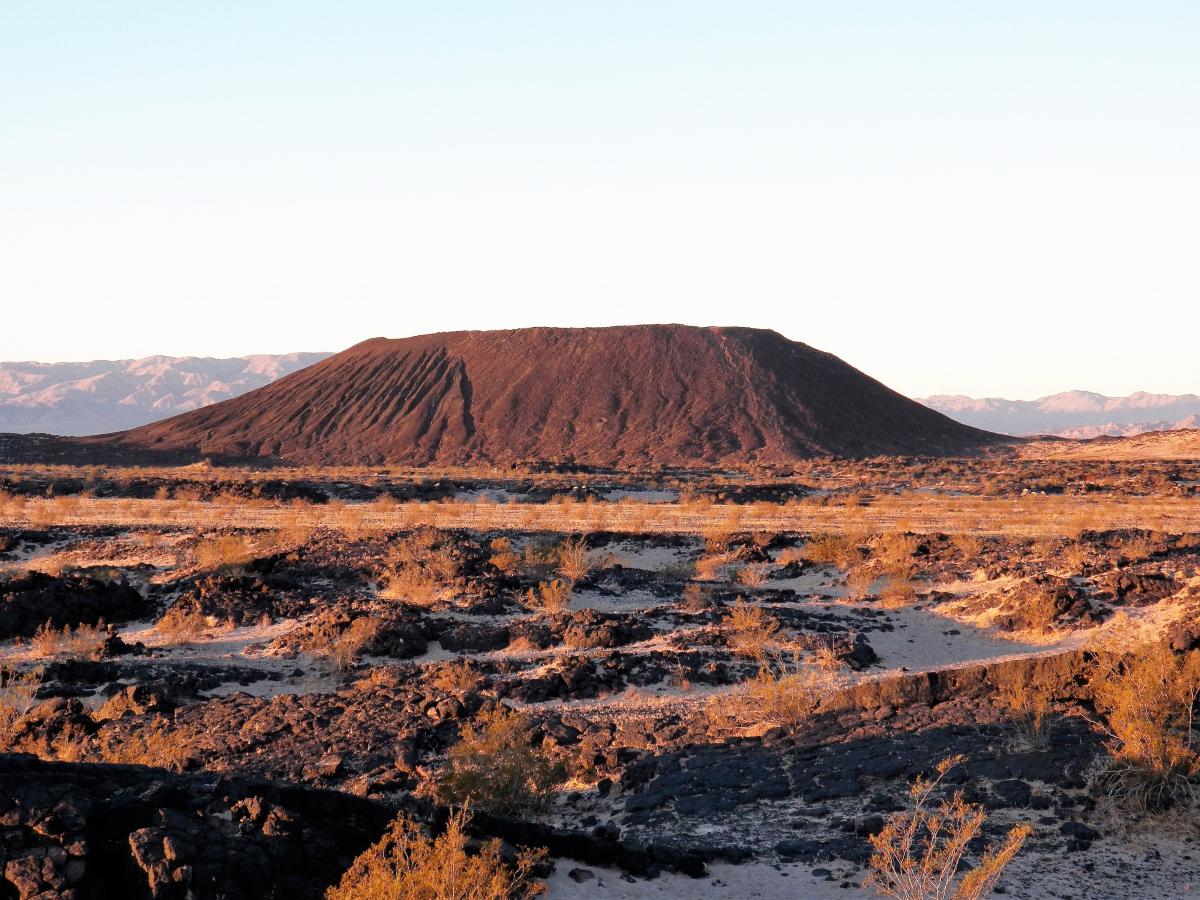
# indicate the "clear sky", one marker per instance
pixel 998 199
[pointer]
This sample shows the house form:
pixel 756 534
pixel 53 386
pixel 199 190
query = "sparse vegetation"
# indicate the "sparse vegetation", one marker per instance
pixel 224 552
pixel 341 647
pixel 496 768
pixel 506 560
pixel 408 865
pixel 1029 702
pixel 752 630
pixel 919 853
pixel 574 559
pixel 1147 697
pixel 411 584
pixel 753 575
pixel 832 549
pixel 81 641
pixel 182 626
pixel 159 742
pixel 549 596
pixel 18 689
pixel 779 694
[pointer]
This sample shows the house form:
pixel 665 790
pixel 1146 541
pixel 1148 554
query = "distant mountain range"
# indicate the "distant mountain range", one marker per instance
pixel 1074 414
pixel 112 395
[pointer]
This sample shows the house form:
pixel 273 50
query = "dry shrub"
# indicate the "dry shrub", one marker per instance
pixel 495 766
pixel 968 545
pixel 683 570
pixel 1147 697
pixel 160 743
pixel 752 630
pixel 1075 558
pixel 182 626
pixel 405 864
pixel 410 583
pixel 708 568
pixel 506 560
pixel 550 596
pixel 896 553
pixel 292 537
pixel 790 555
pixel 18 690
pixel 777 695
pixel 418 569
pixel 573 559
pixel 827 548
pixel 81 641
pixel 826 659
pixel 457 677
pixel 753 575
pixel 694 597
pixel 1139 548
pixel 1029 702
pixel 341 647
pixel 919 853
pixel 858 583
pixel 897 592
pixel 224 552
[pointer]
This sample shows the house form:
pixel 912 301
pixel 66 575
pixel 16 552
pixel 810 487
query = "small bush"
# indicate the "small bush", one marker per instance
pixel 224 552
pixel 574 560
pixel 182 626
pixel 1075 558
pixel 968 545
pixel 1029 703
pixel 708 568
pixel 752 630
pixel 753 575
pixel 18 690
pixel 549 596
pixel 896 553
pixel 160 743
pixel 790 556
pixel 824 548
pixel 776 695
pixel 919 853
pixel 506 560
pixel 82 641
pixel 1147 697
pixel 420 567
pixel 410 583
pixel 341 647
pixel 495 767
pixel 1139 548
pixel 407 865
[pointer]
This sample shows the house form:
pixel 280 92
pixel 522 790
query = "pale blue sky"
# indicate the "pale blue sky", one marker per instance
pixel 955 197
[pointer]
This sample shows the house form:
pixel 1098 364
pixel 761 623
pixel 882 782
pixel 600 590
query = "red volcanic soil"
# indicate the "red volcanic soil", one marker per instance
pixel 647 394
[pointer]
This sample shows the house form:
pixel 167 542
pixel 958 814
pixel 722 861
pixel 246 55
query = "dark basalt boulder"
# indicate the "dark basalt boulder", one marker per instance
pixel 113 832
pixel 31 600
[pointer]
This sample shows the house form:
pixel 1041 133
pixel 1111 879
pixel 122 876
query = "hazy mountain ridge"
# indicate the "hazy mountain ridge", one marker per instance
pixel 99 396
pixel 1074 414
